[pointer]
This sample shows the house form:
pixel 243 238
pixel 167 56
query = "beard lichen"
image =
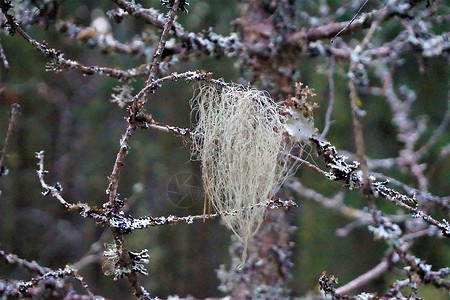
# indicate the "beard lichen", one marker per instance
pixel 241 142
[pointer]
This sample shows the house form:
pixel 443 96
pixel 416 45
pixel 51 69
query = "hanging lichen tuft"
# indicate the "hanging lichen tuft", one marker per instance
pixel 240 141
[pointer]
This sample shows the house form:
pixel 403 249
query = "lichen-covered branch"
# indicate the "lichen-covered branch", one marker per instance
pixel 58 61
pixel 127 224
pixel 32 266
pixel 207 42
pixel 340 170
pixel 33 288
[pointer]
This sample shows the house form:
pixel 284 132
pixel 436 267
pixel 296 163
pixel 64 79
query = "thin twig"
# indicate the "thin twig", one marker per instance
pixel 351 21
pixel 308 164
pixel 188 76
pixel 31 266
pixel 3 57
pixel 370 275
pixel 330 97
pixel 365 278
pixel 118 164
pixel 12 121
pixel 125 260
pixel 354 100
pixel 157 55
pixel 53 190
pixel 359 137
pixel 335 203
pixel 407 129
pixel 171 129
pixel 437 133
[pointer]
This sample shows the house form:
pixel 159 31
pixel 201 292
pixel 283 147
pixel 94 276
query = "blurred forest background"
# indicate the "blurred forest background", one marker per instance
pixel 71 117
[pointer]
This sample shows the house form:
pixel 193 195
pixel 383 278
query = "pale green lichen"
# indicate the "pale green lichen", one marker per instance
pixel 240 141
